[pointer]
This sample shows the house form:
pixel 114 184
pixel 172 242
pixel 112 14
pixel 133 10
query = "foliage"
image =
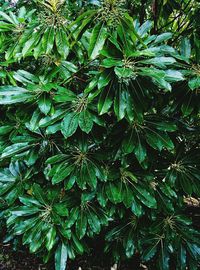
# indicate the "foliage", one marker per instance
pixel 99 129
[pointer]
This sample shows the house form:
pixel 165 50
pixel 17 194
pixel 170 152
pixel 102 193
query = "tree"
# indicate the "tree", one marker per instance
pixel 99 130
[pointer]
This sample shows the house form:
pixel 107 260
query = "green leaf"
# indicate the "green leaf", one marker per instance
pixel 173 76
pixel 7 18
pixel 70 182
pixel 123 72
pixel 97 40
pixel 34 121
pixel 105 101
pixel 78 246
pixel 120 104
pixel 48 39
pixel 113 192
pixel 53 128
pixel 163 37
pixel 159 140
pixel 104 79
pixel 49 120
pixel 29 201
pixel 63 95
pixel 167 190
pixel 30 43
pixel 94 222
pixel 44 103
pixel 25 211
pixel 194 250
pixel 61 255
pixel 25 77
pixel 38 50
pixel 145 28
pixel 110 62
pixel 90 174
pixel 130 247
pixel 51 238
pixel 185 47
pixel 39 194
pixel 56 158
pixel 166 126
pixel 161 62
pixel 61 209
pixel 163 261
pixel 145 196
pixel 5 130
pixel 62 43
pixel 182 257
pixel 15 149
pixel 136 207
pixel 74 214
pixel 128 143
pixel 85 121
pixel 127 196
pixel 187 108
pixel 61 173
pixel 69 124
pixel 194 83
pixel 149 253
pixel 14 94
pixel 25 225
pixel 81 225
pixel 140 151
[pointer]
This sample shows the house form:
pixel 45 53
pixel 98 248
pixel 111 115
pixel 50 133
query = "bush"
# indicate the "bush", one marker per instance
pixel 99 133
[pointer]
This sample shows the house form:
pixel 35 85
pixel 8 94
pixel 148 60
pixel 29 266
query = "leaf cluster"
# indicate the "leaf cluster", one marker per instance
pixel 99 133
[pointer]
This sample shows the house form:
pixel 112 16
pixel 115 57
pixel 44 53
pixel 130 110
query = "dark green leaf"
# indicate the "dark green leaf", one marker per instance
pixel 61 255
pixel 69 124
pixel 97 40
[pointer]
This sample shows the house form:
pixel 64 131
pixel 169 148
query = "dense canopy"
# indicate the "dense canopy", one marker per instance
pixel 100 128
